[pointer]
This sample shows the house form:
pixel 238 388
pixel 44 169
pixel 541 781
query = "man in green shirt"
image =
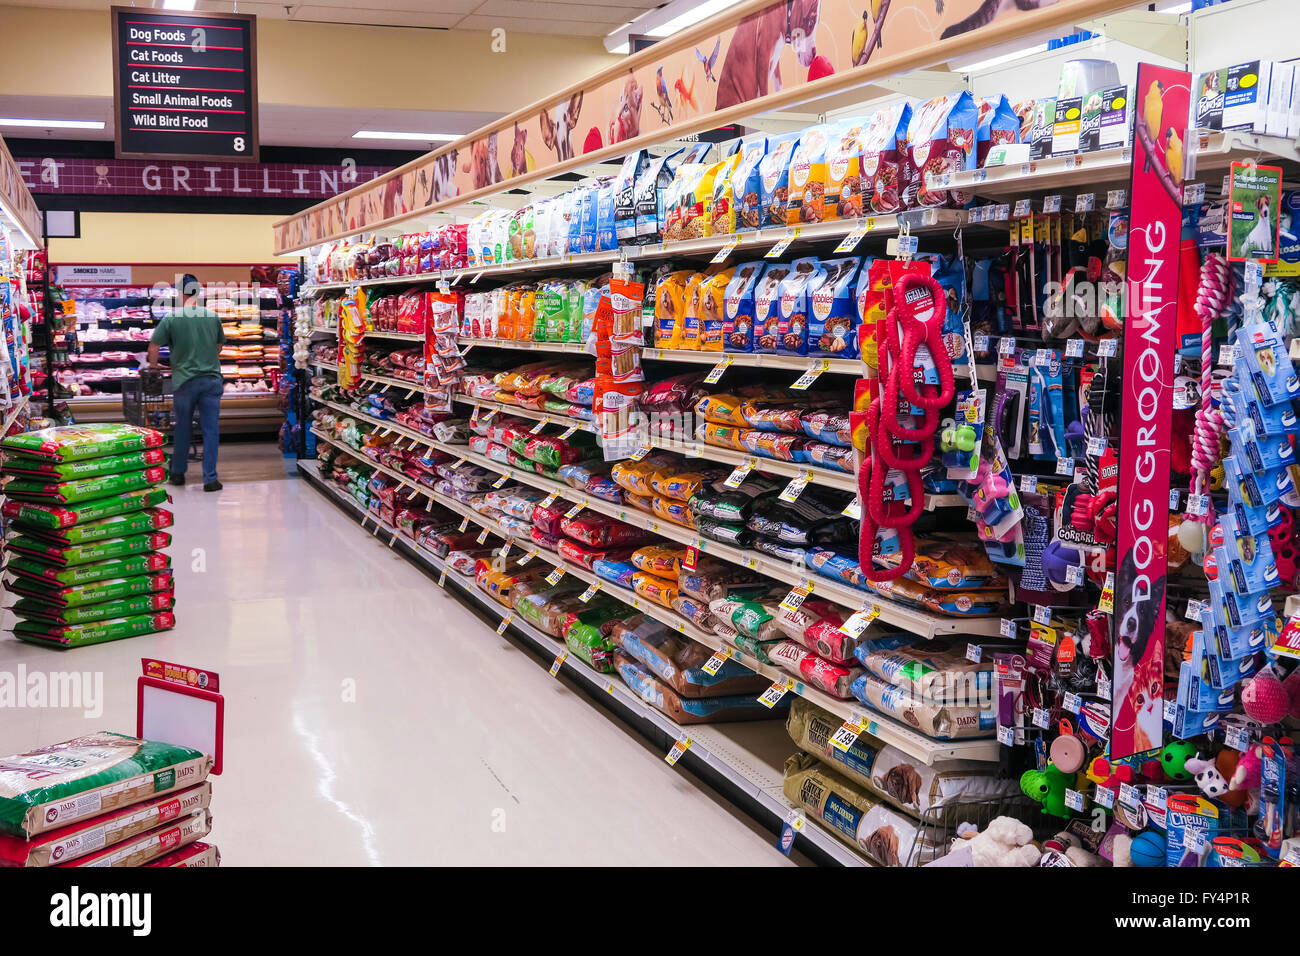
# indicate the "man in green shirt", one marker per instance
pixel 195 336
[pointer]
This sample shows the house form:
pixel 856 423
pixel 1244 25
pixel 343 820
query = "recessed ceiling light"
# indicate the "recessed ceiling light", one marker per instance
pixel 418 137
pixel 51 123
pixel 179 4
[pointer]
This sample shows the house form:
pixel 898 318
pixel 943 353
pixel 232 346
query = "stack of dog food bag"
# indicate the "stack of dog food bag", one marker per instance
pixel 85 551
pixel 105 799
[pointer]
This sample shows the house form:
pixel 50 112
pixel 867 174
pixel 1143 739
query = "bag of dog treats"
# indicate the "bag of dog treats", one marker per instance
pixel 833 316
pixel 738 307
pixel 92 632
pixel 78 442
pixel 792 306
pixel 64 783
pixel 713 294
pixel 84 489
pixel 774 175
pixel 68 556
pixel 36 515
pixel 53 470
pixel 807 179
pixel 940 139
pixel 767 312
pixel 635 476
pixel 812 519
pixel 644 503
pixel 884 141
pixel 842 197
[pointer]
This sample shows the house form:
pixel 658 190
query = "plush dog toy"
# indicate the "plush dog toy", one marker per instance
pixel 1006 841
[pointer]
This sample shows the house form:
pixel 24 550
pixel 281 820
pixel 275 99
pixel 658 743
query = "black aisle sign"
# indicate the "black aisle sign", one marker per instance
pixel 185 86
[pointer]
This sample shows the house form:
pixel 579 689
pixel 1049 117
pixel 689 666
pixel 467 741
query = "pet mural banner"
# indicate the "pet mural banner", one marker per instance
pixel 1150 341
pixel 1254 200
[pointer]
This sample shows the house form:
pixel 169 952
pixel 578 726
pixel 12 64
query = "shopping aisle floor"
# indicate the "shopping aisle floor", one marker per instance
pixel 373 720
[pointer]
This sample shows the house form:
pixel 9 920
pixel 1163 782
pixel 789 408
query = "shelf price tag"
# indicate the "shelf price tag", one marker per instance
pixel 1051 204
pixel 1029 483
pixel 1097 446
pixel 640 453
pixel 1006 736
pixel 850 242
pixel 1006 345
pixel 1041 718
pixel 526 557
pixel 853 509
pixel 590 593
pixel 714 663
pixel 860 620
pixel 1107 348
pixel 981 342
pixel 1198 504
pixel 974 653
pixel 691 560
pixel 1042 614
pixel 573 512
pixel 1065 466
pixel 679 747
pixel 845 736
pixel 1002 212
pixel 1074 575
pixel 1106 604
pixel 1104 796
pixel 1074 800
pixel 795 488
pixel 810 376
pixel 1238 738
pixel 464 523
pixel 772 696
pixel 500 481
pixel 1022 209
pixel 1074 348
pixel 906 245
pixel 715 373
pixel 442 577
pixel 549 500
pixel 1129 795
pixel 1193 194
pixel 737 476
pixel 555 667
pixel 568 432
pixel 482 536
pixel 554 577
pixel 536 429
pixel 1007 628
pixel 1072 703
pixel 728 249
pixel 791 234
pixel 1117 199
pixel 1084 202
pixel 1103 685
pixel 794 600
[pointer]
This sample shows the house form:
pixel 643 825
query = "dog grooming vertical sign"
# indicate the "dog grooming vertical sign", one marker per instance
pixel 1150 337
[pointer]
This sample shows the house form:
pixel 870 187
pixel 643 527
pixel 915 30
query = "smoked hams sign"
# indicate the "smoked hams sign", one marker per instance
pixel 185 86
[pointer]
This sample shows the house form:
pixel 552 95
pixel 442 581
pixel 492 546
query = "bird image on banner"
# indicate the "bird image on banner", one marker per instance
pixel 711 60
pixel 1174 154
pixel 1153 108
pixel 873 19
pixel 1162 147
pixel 663 106
pixel 686 95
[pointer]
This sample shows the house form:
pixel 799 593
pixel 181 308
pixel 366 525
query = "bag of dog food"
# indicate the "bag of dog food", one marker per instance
pixel 79 442
pixel 601 531
pixel 722 213
pixel 830 427
pixel 84 574
pixel 67 843
pixel 747 183
pixel 721 503
pixel 712 311
pixel 833 314
pixel 52 470
pixel 591 645
pixel 774 176
pixel 140 522
pixel 808 175
pixel 843 192
pixel 998 125
pixel 38 609
pixel 934 719
pixel 884 142
pixel 677 661
pixel 715 580
pixel 67 556
pixel 691 316
pixel 662 560
pixel 695 611
pixel 658 189
pixel 659 590
pixel 792 306
pixel 937 670
pixel 139 850
pixel 940 139
pixel 834 679
pixel 35 515
pixel 738 308
pixel 767 313
pixel 691 710
pixel 93 632
pixel 624 195
pixel 197 855
pixel 84 489
pixel 53 596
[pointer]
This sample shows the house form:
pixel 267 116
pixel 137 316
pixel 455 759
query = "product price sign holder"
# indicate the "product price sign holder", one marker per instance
pixel 178 704
pixel 184 85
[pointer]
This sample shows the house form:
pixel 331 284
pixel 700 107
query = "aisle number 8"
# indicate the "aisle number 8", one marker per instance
pixel 239 144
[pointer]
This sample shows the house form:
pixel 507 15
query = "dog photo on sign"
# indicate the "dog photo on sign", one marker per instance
pixel 1254 200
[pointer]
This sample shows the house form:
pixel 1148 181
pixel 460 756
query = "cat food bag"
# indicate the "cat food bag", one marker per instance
pixel 767 314
pixel 713 295
pixel 774 176
pixel 998 125
pixel 739 306
pixel 843 193
pixel 606 235
pixel 940 139
pixel 884 141
pixel 833 312
pixel 808 174
pixel 792 305
pixel 747 183
pixel 79 442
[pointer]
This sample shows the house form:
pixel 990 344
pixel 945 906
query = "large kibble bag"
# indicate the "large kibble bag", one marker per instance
pixel 661 591
pixel 812 519
pixel 721 503
pixel 884 141
pixel 936 669
pixel 767 315
pixel 198 855
pixel 35 515
pixel 96 571
pixel 55 596
pixel 940 139
pixel 662 560
pixel 738 308
pixel 691 710
pixel 118 526
pixel 60 784
pixel 48 470
pixel 830 427
pixel 93 632
pixel 714 580
pixel 679 661
pixel 83 489
pixel 68 843
pixel 753 618
pixel 592 645
pixel 795 623
pixel 79 442
pixel 600 530
pixel 833 313
pixel 34 608
pixel 616 572
pixel 67 556
pixel 934 719
pixel 146 847
pixel 834 679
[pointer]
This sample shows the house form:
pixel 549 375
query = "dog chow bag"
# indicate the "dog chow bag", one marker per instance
pixel 79 442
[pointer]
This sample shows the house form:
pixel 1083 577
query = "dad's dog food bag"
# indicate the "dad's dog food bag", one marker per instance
pixel 767 315
pixel 940 139
pixel 30 466
pixel 792 304
pixel 196 855
pixel 774 175
pixel 808 175
pixel 739 304
pixel 884 142
pixel 833 314
pixel 84 489
pixel 36 515
pixel 67 843
pixel 842 198
pixel 79 442
pixel 140 849
pixel 747 184
pixel 63 783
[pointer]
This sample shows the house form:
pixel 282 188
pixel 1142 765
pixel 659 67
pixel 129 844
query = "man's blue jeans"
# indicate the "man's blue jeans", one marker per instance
pixel 203 391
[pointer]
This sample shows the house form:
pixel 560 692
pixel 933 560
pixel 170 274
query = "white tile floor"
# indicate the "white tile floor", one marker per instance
pixel 451 729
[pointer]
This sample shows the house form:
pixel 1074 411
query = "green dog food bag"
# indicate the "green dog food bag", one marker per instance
pixel 31 467
pixel 35 515
pixel 96 571
pixel 118 526
pixel 54 786
pixel 31 608
pixel 78 595
pixel 67 556
pixel 83 489
pixel 93 632
pixel 80 442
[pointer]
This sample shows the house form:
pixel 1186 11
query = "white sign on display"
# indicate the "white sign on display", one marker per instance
pixel 92 275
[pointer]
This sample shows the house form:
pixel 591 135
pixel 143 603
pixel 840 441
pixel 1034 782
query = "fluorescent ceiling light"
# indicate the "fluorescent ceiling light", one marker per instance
pixel 671 18
pixel 691 17
pixel 993 61
pixel 1179 9
pixel 179 4
pixel 418 137
pixel 52 123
